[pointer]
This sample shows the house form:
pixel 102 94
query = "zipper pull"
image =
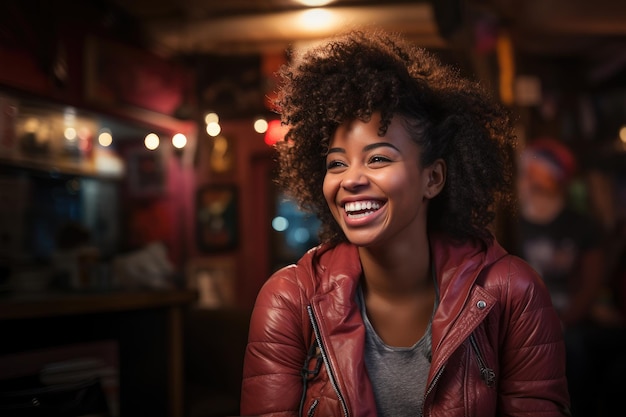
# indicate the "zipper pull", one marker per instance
pixel 489 376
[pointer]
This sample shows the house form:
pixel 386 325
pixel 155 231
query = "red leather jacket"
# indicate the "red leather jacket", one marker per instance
pixel 496 340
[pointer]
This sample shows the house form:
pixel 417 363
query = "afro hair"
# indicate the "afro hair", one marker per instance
pixel 361 72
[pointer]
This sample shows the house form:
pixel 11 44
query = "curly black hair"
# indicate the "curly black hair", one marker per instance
pixel 353 75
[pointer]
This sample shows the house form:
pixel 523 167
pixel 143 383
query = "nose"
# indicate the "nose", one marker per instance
pixel 354 178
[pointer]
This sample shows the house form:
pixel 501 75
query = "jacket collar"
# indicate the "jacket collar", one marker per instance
pixel 339 266
pixel 457 265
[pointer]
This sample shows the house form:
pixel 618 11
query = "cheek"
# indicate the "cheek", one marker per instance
pixel 329 190
pixel 398 183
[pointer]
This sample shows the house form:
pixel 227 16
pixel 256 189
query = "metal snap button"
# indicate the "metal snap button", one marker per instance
pixel 481 304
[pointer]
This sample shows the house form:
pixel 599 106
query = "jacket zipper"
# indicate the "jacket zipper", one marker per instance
pixel 331 376
pixel 432 386
pixel 487 374
pixel 312 408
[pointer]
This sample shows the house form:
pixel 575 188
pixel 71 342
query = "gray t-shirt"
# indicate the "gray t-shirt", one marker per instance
pixel 398 374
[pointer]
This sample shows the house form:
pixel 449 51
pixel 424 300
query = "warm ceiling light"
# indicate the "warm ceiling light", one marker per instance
pixel 317 19
pixel 70 133
pixel 211 118
pixel 315 3
pixel 213 129
pixel 179 141
pixel 151 141
pixel 105 138
pixel 260 125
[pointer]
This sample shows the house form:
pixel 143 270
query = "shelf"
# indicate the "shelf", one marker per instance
pixel 28 306
pixel 60 167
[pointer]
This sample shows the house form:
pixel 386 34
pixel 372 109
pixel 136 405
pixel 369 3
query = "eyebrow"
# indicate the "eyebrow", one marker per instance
pixel 366 148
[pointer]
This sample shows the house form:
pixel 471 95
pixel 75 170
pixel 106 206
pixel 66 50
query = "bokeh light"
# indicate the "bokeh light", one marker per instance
pixel 179 141
pixel 151 141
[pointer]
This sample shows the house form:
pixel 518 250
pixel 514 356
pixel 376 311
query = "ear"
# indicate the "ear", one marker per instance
pixel 435 175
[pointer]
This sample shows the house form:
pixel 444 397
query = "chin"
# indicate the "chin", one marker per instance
pixel 359 240
pixel 364 241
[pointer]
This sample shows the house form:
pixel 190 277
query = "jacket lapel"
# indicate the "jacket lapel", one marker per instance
pixel 341 328
pixel 459 312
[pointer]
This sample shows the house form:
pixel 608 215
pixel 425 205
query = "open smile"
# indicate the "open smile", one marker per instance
pixel 360 209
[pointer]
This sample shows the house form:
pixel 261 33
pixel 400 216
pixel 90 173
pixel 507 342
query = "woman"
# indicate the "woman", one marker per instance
pixel 409 307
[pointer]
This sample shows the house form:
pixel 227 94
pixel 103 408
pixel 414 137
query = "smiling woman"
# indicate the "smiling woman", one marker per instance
pixel 409 306
pixel 366 181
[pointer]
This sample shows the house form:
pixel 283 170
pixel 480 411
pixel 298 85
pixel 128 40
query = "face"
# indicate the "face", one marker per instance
pixel 538 189
pixel 375 186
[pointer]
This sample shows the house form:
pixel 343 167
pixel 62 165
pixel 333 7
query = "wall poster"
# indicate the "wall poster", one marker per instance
pixel 216 218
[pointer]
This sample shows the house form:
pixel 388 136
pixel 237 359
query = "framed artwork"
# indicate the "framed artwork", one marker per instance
pixel 221 158
pixel 216 218
pixel 217 158
pixel 215 279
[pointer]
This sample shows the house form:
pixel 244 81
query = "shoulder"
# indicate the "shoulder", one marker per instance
pixel 287 285
pixel 278 316
pixel 516 282
pixel 318 271
pixel 279 312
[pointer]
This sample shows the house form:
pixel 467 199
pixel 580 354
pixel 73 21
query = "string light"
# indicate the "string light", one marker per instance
pixel 213 129
pixel 151 141
pixel 179 141
pixel 105 138
pixel 260 125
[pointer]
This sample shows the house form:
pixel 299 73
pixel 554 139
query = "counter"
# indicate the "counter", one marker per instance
pixel 147 325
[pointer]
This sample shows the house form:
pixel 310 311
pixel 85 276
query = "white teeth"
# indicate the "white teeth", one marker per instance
pixel 359 215
pixel 355 206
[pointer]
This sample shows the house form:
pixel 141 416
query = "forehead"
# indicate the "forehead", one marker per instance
pixel 367 131
pixel 536 167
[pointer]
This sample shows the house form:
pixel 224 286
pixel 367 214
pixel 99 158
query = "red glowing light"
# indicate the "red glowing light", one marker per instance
pixel 275 132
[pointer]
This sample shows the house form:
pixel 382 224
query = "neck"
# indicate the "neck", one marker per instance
pixel 397 272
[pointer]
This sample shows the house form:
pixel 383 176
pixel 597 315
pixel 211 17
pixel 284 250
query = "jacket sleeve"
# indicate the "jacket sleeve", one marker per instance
pixel 276 350
pixel 532 354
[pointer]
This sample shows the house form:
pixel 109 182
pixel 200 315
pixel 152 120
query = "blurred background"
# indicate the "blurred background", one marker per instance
pixel 138 213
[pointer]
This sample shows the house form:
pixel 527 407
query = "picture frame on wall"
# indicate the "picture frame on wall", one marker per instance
pixel 217 158
pixel 216 218
pixel 221 158
pixel 214 278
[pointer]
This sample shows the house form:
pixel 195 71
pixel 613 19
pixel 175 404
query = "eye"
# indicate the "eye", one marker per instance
pixel 334 164
pixel 379 159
